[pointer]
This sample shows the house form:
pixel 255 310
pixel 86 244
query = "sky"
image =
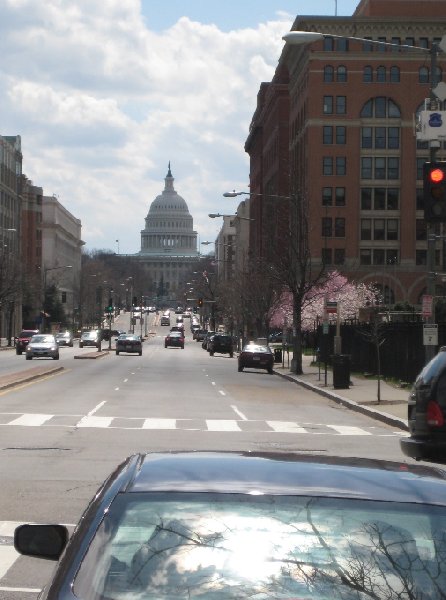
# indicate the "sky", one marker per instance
pixel 104 93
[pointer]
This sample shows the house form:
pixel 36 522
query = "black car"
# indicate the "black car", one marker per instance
pixel 206 338
pixel 426 412
pixel 129 342
pixel 256 356
pixel 246 525
pixel 221 343
pixel 174 339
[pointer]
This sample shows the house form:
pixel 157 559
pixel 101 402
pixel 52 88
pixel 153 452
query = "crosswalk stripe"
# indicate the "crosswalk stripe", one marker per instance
pixel 92 421
pixel 222 425
pixel 159 424
pixel 286 427
pixel 31 420
pixel 8 556
pixel 346 430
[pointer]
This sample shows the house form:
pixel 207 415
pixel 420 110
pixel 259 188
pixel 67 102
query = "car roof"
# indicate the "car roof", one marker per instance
pixel 283 474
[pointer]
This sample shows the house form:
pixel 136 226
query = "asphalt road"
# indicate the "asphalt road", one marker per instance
pixel 61 436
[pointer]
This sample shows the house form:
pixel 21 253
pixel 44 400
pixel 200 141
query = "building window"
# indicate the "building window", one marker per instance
pixel 380 107
pixel 327 165
pixel 409 41
pixel 327 134
pixel 380 137
pixel 381 75
pixel 423 75
pixel 342 44
pixel 327 230
pixel 393 137
pixel 397 42
pixel 420 166
pixel 326 256
pixel 339 227
pixel 366 137
pixel 339 256
pixel 379 198
pixel 378 256
pixel 340 196
pixel 327 196
pixel 341 105
pixel 392 229
pixel 420 230
pixel 393 167
pixel 382 44
pixel 367 46
pixel 423 42
pixel 63 297
pixel 341 165
pixel 419 199
pixel 328 74
pixel 366 229
pixel 367 75
pixel 379 232
pixel 365 256
pixel 366 198
pixel 380 167
pixel 341 134
pixel 328 44
pixel 421 257
pixel 394 74
pixel 366 167
pixel 341 74
pixel 328 105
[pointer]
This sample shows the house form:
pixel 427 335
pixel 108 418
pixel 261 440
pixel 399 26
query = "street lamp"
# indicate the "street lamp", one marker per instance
pixel 45 272
pixel 236 216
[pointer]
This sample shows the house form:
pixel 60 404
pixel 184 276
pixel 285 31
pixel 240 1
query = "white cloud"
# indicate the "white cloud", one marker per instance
pixel 102 104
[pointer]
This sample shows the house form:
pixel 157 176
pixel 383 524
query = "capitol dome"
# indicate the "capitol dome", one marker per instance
pixel 169 225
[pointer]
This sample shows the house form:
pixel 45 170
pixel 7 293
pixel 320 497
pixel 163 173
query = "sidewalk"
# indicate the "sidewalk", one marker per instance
pixel 361 396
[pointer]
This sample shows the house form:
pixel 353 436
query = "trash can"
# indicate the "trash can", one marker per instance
pixel 277 355
pixel 341 371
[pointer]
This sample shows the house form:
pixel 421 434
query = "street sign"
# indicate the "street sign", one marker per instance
pixel 430 334
pixel 331 308
pixel 426 305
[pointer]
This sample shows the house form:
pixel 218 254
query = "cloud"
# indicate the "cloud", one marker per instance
pixel 102 104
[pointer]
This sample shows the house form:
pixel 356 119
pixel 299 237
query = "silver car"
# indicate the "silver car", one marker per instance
pixel 64 338
pixel 42 344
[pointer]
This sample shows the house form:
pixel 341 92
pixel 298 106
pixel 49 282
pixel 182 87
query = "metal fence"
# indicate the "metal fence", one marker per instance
pixel 402 353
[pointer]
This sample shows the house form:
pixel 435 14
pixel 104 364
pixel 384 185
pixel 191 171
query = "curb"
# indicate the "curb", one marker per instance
pixel 30 377
pixel 351 404
pixel 92 355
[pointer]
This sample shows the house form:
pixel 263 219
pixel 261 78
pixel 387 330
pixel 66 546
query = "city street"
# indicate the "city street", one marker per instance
pixel 62 435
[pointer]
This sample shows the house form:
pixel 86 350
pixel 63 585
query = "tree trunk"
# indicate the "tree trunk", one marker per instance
pixel 296 363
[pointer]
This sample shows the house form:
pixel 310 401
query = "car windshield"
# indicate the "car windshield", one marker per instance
pixel 89 334
pixel 42 338
pixel 256 348
pixel 233 546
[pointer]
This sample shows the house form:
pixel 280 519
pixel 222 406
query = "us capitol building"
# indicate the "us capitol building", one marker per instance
pixel 168 242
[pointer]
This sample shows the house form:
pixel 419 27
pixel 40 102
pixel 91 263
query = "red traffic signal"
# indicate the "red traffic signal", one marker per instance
pixel 434 191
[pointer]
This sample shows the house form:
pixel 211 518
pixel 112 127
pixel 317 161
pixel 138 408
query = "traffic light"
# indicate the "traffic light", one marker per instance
pixel 109 307
pixel 135 301
pixel 434 192
pixel 200 302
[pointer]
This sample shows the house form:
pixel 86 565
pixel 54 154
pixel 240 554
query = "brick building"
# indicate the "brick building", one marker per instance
pixel 334 130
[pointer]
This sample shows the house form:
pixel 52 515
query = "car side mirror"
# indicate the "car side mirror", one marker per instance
pixel 41 541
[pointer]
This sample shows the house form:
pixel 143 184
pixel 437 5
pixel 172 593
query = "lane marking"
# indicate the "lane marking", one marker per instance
pixel 100 422
pixel 96 408
pixel 8 556
pixel 159 424
pixel 222 392
pixel 239 413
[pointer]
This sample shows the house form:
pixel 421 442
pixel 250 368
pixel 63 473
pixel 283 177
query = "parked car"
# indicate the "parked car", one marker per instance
pixel 250 525
pixel 206 338
pixel 22 340
pixel 221 343
pixel 255 356
pixel 65 338
pixel 90 338
pixel 42 345
pixel 175 339
pixel 129 342
pixel 199 335
pixel 426 412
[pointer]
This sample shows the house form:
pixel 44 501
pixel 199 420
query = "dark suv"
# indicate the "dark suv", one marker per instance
pixel 221 343
pixel 22 340
pixel 427 412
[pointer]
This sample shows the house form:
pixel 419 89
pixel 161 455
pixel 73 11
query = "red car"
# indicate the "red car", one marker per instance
pixel 22 340
pixel 174 338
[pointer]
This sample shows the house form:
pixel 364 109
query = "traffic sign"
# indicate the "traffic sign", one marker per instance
pixel 430 334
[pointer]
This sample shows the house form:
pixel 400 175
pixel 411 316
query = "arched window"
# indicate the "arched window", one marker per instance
pixel 381 75
pixel 328 74
pixel 367 76
pixel 341 73
pixel 394 74
pixel 423 75
pixel 380 107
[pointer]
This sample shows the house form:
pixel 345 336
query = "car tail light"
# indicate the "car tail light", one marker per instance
pixel 434 416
